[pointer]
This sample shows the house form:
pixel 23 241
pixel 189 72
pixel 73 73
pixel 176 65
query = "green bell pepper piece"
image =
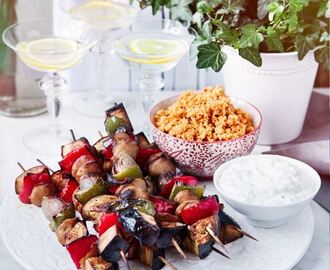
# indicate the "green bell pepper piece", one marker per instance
pixel 112 123
pixel 66 213
pixel 132 172
pixel 83 196
pixel 197 190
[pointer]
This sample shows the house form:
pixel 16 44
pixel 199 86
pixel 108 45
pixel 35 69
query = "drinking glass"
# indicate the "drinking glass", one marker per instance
pixel 43 47
pixel 152 47
pixel 104 16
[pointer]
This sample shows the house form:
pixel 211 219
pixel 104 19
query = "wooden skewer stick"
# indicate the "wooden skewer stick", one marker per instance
pixel 21 166
pixel 42 163
pixel 179 249
pixel 100 133
pixel 247 234
pixel 167 263
pixel 216 238
pixel 72 135
pixel 122 254
pixel 220 252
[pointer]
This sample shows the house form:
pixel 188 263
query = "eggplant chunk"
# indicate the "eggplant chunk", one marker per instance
pixel 60 179
pixel 40 191
pixel 20 178
pixel 97 206
pixel 142 140
pixel 199 241
pixel 111 244
pixel 118 111
pixel 97 263
pixel 159 164
pixel 184 195
pixel 171 230
pixel 229 228
pixel 142 226
pixel 150 256
pixel 70 230
pixel 100 144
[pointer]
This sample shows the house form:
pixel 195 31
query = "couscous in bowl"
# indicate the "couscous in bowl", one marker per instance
pixel 199 157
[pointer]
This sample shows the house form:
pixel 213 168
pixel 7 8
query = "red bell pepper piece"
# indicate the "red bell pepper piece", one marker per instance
pixel 30 181
pixel 107 221
pixel 203 209
pixel 67 163
pixel 163 205
pixel 186 179
pixel 67 192
pixel 144 154
pixel 79 248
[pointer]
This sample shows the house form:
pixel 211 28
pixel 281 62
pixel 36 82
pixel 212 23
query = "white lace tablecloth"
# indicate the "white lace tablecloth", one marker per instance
pixel 13 150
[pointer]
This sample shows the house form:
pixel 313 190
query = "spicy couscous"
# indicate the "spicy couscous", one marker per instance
pixel 207 115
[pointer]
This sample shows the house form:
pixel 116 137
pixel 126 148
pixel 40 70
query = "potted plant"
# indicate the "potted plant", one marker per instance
pixel 271 49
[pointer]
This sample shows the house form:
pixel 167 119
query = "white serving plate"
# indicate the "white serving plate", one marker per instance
pixel 29 240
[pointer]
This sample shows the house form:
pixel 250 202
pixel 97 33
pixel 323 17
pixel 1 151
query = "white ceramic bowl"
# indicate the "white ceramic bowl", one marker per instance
pixel 269 216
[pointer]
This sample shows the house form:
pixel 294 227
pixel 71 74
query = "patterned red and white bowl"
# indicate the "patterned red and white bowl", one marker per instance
pixel 203 158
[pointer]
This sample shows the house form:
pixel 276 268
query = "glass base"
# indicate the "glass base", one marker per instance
pixel 95 106
pixel 43 141
pixel 23 107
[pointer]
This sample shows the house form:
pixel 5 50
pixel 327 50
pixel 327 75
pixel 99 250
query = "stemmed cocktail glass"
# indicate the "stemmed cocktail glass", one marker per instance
pixel 152 47
pixel 103 16
pixel 44 47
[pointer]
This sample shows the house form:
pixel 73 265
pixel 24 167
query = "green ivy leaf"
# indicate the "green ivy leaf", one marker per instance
pixel 322 56
pixel 210 55
pixel 228 35
pixel 303 46
pixel 252 55
pixel 250 37
pixel 297 5
pixel 194 47
pixel 292 22
pixel 275 10
pixel 273 40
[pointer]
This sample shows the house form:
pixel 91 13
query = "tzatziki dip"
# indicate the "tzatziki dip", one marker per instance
pixel 266 181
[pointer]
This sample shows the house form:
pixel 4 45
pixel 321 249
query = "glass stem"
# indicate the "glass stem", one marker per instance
pixel 53 85
pixel 102 52
pixel 150 84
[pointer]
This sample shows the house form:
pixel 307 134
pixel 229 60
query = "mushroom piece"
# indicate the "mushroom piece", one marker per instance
pixel 159 164
pixel 97 263
pixel 70 230
pixel 97 206
pixel 41 191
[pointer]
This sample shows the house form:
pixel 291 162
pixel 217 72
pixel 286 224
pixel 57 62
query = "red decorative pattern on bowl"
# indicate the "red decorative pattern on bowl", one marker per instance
pixel 203 158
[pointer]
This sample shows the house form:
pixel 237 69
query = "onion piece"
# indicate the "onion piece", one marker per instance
pixel 88 180
pixel 52 206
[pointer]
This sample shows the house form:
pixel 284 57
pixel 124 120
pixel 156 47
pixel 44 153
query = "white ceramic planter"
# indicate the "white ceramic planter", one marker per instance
pixel 280 89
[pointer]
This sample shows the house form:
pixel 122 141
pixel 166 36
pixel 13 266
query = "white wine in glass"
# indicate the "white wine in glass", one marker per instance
pixel 41 48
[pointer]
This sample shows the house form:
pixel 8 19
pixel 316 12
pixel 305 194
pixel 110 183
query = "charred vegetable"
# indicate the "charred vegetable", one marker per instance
pixel 41 191
pixel 116 119
pixel 66 213
pixel 97 206
pixel 125 167
pixel 111 244
pixel 163 205
pixel 150 256
pixel 170 231
pixel 82 247
pixel 159 164
pixel 26 182
pixel 167 182
pixel 199 210
pixel 197 190
pixel 84 195
pixel 230 230
pixel 199 241
pixel 70 230
pixel 143 227
pixel 97 263
pixel 141 205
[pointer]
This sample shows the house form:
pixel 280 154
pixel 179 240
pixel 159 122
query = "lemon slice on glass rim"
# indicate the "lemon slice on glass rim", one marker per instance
pixel 156 50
